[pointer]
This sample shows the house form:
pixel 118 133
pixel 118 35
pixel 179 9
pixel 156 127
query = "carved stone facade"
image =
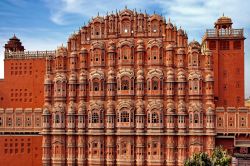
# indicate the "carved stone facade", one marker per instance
pixel 128 90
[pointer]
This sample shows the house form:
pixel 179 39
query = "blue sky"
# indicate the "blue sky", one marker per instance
pixel 45 24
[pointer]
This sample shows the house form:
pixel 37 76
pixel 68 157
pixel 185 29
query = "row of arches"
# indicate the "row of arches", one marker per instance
pixel 124 24
pixel 127 116
pixel 125 82
pixel 127 73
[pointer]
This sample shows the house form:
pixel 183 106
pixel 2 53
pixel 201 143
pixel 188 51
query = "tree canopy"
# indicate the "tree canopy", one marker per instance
pixel 219 157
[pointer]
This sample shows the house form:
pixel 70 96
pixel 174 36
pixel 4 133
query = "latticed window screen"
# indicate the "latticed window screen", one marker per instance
pixel 124 116
pixel 155 118
pixel 95 118
pixel 95 86
pixel 125 85
pixel 155 85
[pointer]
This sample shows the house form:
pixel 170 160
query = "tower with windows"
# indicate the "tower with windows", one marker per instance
pixel 227 46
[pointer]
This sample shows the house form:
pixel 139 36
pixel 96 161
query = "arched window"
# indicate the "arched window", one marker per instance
pixel 190 118
pixel 155 118
pixel 97 29
pixel 154 53
pixel 57 118
pixel 95 118
pixel 155 84
pixel 124 149
pixel 125 26
pixel 196 85
pixel 125 84
pixel 56 149
pixel 126 52
pixel 124 116
pixel 96 86
pixel 148 83
pixel 196 118
pixel 97 55
pixel 154 26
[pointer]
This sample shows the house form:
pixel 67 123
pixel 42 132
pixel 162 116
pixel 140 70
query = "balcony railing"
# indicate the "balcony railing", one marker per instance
pixel 28 54
pixel 224 33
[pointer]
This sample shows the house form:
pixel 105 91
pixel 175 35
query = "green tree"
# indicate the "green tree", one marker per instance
pixel 220 157
pixel 199 159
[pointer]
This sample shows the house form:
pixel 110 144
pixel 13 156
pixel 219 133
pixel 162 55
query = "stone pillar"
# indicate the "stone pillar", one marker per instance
pixel 182 150
pixel 58 150
pixel 46 159
pixel 82 150
pixel 110 150
pixel 140 150
pixel 71 156
pixel 209 144
pixel 171 158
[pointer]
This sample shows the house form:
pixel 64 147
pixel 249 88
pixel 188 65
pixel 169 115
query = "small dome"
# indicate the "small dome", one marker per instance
pixel 180 51
pixel 169 47
pixel 140 42
pixel 170 106
pixel 224 20
pixel 175 28
pixel 73 54
pixel 111 45
pixel 140 106
pixel 111 72
pixel 46 111
pixel 170 76
pixel 110 104
pixel 47 79
pixel 110 78
pixel 111 75
pixel 72 77
pixel 169 25
pixel 83 77
pixel 73 36
pixel 71 108
pixel 208 52
pixel 180 32
pixel 111 48
pixel 140 72
pixel 140 48
pixel 181 105
pixel 81 108
pixel 140 78
pixel 181 76
pixel 14 44
pixel 61 51
pixel 209 78
pixel 84 50
pixel 194 44
pixel 210 111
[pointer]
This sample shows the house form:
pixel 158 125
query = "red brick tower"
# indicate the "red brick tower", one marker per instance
pixel 227 46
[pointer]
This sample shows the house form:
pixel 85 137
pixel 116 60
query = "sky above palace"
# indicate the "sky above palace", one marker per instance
pixel 46 24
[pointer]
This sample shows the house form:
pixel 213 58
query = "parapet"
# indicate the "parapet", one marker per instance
pixel 29 54
pixel 232 120
pixel 20 120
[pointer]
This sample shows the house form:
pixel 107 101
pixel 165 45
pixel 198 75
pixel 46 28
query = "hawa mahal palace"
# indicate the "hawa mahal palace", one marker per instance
pixel 128 89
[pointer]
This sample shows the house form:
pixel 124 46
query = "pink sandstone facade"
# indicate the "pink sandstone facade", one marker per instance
pixel 128 90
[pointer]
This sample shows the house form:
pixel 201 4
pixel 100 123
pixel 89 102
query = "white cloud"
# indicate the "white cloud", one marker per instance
pixel 85 8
